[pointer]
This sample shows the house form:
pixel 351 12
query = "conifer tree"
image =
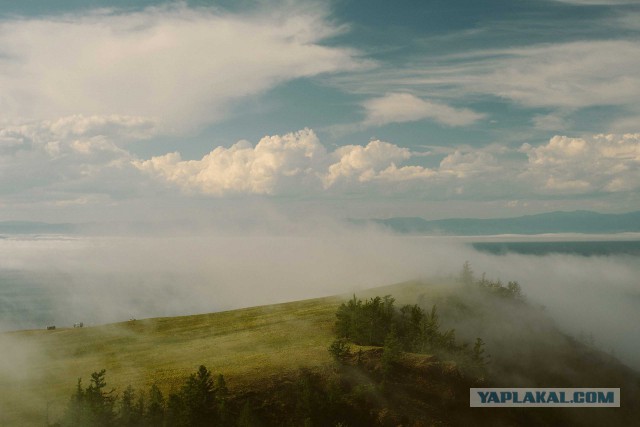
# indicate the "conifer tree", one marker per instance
pixel 154 416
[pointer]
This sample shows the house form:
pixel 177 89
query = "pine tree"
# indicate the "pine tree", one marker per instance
pixel 100 403
pixel 199 398
pixel 154 415
pixel 391 352
pixel 466 275
pixel 221 394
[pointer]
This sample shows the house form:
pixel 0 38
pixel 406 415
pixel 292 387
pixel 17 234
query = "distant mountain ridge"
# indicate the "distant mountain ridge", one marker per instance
pixel 580 221
pixel 553 222
pixel 32 227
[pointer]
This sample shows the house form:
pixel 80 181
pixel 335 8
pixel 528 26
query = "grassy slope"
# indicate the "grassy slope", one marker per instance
pixel 241 344
pixel 258 346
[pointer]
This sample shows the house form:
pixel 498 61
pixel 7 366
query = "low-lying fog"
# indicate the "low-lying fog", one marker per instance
pixel 58 280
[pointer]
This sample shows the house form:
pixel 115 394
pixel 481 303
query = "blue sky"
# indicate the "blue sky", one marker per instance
pixel 118 110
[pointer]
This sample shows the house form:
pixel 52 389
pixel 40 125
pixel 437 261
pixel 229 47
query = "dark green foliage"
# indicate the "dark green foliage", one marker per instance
pixel 198 403
pixel 478 351
pixel 340 350
pixel 154 416
pixel 131 409
pixel 222 394
pixel 370 322
pixel 176 413
pixel 92 406
pixel 408 326
pixel 199 397
pixel 392 351
pixel 248 417
pixel 511 291
pixel 365 323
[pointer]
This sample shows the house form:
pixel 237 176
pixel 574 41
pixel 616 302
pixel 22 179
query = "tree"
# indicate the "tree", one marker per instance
pixel 466 274
pixel 391 352
pixel 340 350
pixel 247 417
pixel 176 413
pixel 76 413
pixel 155 412
pixel 92 406
pixel 199 398
pixel 130 410
pixel 514 290
pixel 100 402
pixel 478 352
pixel 222 392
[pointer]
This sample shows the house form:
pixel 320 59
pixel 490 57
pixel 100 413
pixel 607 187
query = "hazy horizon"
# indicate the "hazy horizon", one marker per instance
pixel 107 279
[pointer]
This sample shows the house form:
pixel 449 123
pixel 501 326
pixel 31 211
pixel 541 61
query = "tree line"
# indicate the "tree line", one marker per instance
pixel 200 401
pixel 378 322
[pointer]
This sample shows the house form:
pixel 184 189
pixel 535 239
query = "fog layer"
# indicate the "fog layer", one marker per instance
pixel 95 280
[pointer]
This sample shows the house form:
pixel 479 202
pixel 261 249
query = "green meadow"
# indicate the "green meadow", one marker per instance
pixel 243 344
pixel 263 351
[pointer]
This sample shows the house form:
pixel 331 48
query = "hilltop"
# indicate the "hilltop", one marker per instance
pixel 266 353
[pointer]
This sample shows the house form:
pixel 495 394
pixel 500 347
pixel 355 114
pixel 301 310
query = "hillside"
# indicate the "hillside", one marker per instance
pixel 242 344
pixel 262 350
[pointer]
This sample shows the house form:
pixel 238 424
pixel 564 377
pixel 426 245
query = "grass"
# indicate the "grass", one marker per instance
pixel 241 344
pixel 255 347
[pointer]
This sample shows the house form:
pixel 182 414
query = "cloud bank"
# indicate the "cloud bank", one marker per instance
pixel 80 159
pixel 298 162
pixel 602 163
pixel 179 66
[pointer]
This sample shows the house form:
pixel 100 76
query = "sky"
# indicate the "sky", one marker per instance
pixel 155 110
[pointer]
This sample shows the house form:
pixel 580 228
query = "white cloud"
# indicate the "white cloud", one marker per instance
pixel 468 164
pixel 293 163
pixel 121 128
pixel 297 163
pixel 181 67
pixel 405 107
pixel 78 161
pixel 601 163
pixel 242 168
pixel 570 75
pixel 364 163
pixel 73 158
pixel 561 77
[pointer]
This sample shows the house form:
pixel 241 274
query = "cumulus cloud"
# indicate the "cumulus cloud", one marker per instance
pixel 298 163
pixel 291 163
pixel 77 127
pixel 405 107
pixel 364 163
pixel 179 66
pixel 243 168
pixel 80 160
pixel 471 163
pixel 602 163
pixel 71 160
